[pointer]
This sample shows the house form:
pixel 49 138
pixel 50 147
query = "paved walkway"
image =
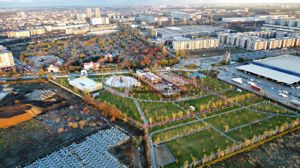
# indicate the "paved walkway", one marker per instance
pixel 137 104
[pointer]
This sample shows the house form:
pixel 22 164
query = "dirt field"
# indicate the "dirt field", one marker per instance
pixel 282 152
pixel 54 129
pixel 48 132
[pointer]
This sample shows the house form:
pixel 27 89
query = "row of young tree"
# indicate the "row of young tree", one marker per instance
pixel 109 111
pixel 247 144
pixel 222 103
pixel 160 119
pixel 179 132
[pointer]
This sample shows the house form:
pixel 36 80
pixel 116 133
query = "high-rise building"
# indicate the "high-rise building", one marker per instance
pixel 97 12
pixel 89 12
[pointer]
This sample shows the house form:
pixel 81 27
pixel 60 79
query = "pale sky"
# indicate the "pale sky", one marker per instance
pixel 24 3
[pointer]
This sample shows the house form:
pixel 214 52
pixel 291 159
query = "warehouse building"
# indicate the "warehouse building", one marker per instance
pixel 187 31
pixel 283 69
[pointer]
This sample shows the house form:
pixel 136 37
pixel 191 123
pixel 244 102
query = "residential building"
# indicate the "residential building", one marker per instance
pixel 193 44
pixel 99 21
pixel 97 12
pixel 18 34
pixel 89 12
pixel 6 58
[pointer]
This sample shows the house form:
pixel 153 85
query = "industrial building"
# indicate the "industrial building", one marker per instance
pixel 283 69
pixel 147 18
pixel 180 15
pixel 187 31
pixel 287 25
pixel 192 44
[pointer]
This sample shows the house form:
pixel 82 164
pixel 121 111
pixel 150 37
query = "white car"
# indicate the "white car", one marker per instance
pixel 283 95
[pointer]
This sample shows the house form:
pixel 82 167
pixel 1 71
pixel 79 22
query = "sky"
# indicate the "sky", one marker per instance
pixel 36 3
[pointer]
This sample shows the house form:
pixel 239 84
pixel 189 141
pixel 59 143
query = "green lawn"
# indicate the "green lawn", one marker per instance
pixel 269 107
pixel 197 102
pixel 240 105
pixel 146 96
pixel 159 111
pixel 63 81
pixel 99 78
pixel 144 92
pixel 171 124
pixel 178 131
pixel 259 128
pixel 196 145
pixel 234 119
pixel 124 104
pixel 215 84
pixel 233 93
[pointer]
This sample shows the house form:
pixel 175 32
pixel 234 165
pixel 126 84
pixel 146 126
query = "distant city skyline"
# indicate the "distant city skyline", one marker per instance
pixel 37 3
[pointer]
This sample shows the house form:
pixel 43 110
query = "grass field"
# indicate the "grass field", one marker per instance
pixel 269 107
pixel 123 104
pixel 99 78
pixel 240 105
pixel 235 118
pixel 215 84
pixel 233 93
pixel 196 145
pixel 63 81
pixel 259 128
pixel 144 93
pixel 156 128
pixel 197 102
pixel 158 111
pixel 179 131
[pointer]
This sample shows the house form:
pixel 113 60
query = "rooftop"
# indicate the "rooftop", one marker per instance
pixel 271 74
pixel 285 62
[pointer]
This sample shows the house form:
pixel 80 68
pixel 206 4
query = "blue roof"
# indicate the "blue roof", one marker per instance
pixel 197 74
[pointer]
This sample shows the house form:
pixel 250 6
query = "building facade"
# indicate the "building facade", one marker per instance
pixel 6 59
pixel 18 34
pixel 193 44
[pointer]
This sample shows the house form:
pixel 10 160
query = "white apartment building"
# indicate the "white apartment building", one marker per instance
pixel 18 34
pixel 288 42
pixel 187 44
pixel 260 40
pixel 99 21
pixel 6 59
pixel 257 44
pixel 274 43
